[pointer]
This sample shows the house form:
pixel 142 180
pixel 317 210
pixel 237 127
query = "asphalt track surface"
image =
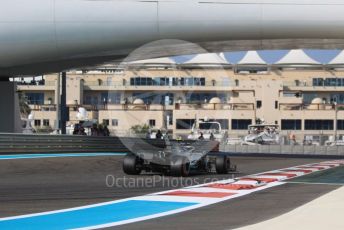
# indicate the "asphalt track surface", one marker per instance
pixel 38 185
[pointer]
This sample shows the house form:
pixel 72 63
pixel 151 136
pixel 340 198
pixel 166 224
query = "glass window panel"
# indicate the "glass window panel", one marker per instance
pixel 185 123
pixel 241 124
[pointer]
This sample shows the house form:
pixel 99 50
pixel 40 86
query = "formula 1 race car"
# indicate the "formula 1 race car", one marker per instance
pixel 178 159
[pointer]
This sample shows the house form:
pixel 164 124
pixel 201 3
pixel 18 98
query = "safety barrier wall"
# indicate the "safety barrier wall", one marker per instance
pixel 22 143
pixel 25 143
pixel 337 151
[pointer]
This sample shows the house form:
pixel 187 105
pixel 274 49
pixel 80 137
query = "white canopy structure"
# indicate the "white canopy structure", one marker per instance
pixel 252 58
pixel 338 60
pixel 297 58
pixel 222 55
pixel 207 59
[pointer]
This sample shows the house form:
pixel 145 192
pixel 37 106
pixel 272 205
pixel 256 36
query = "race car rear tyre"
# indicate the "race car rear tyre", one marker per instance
pixel 132 165
pixel 180 167
pixel 222 164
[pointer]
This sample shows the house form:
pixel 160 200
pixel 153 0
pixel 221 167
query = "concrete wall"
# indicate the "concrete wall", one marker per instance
pixel 10 112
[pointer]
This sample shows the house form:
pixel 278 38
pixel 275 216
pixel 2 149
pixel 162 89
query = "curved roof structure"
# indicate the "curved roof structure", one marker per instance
pixel 207 59
pixel 297 57
pixel 252 58
pixel 338 60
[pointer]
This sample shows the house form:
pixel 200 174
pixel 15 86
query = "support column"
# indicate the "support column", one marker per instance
pixel 57 103
pixel 10 121
pixel 64 109
pixel 335 121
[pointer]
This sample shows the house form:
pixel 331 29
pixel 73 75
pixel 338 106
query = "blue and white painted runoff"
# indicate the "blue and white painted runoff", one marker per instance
pixel 93 216
pixel 56 155
pixel 160 204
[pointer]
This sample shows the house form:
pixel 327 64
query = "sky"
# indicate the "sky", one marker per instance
pixel 271 56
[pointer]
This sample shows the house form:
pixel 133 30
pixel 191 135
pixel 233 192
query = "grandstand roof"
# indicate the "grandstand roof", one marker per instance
pixel 207 59
pixel 297 57
pixel 252 58
pixel 338 60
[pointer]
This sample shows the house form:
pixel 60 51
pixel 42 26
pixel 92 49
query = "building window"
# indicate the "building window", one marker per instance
pixel 223 122
pixel 38 123
pixel 259 104
pixel 91 100
pixel 155 98
pixel 151 123
pixel 291 124
pixel 106 122
pixel 319 124
pixel 337 97
pixel 94 100
pixel 340 124
pixel 318 82
pixel 111 98
pixel 87 100
pixel 35 98
pixel 328 82
pixel 241 124
pixel 204 97
pixel 289 94
pixel 114 122
pixel 165 81
pixel 276 104
pixel 185 123
pixel 46 122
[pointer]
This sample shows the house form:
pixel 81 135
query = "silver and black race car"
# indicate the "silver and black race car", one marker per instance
pixel 177 158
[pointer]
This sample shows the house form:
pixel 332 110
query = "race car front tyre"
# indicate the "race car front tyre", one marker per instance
pixel 222 164
pixel 180 167
pixel 132 165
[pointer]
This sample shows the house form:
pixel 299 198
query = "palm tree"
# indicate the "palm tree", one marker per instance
pixel 25 109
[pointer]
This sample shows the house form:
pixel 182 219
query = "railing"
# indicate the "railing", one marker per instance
pixel 118 84
pixel 191 106
pixel 114 84
pixel 43 107
pixel 298 84
pixel 146 107
pixel 86 106
pixel 37 83
pixel 176 106
pixel 314 84
pixel 220 106
pixel 321 106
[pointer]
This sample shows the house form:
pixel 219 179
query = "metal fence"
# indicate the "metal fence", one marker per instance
pixel 337 151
